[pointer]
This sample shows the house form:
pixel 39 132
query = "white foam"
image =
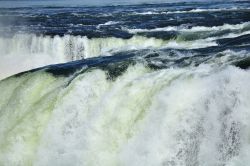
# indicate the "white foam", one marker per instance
pixel 193 29
pixel 149 13
pixel 134 31
pixel 108 23
pixel 144 117
pixel 204 10
pixel 194 120
pixel 187 11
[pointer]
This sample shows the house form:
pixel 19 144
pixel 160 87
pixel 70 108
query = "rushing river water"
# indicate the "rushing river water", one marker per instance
pixel 125 85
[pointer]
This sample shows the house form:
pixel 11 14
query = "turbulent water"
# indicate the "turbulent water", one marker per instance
pixel 132 85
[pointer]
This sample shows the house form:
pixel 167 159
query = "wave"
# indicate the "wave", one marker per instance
pixel 207 10
pixel 242 26
pixel 107 23
pixel 27 51
pixel 24 52
pixel 143 117
pixel 155 12
pixel 149 13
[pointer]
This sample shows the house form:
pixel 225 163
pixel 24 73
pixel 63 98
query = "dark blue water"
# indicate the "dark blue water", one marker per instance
pixel 114 20
pixel 202 29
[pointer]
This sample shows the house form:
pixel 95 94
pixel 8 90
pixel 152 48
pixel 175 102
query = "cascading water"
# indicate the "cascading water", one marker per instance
pixel 144 117
pixel 142 85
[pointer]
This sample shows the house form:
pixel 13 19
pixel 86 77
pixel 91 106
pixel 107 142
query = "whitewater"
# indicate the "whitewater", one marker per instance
pixel 127 85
